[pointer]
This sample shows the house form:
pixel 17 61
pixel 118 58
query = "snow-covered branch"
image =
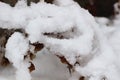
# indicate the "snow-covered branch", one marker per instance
pixel 63 29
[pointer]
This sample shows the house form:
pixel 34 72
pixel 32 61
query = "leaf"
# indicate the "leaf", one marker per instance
pixel 82 78
pixel 32 67
pixel 64 61
pixel 38 46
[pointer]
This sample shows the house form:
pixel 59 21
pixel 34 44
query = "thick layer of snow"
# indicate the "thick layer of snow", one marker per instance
pixel 94 46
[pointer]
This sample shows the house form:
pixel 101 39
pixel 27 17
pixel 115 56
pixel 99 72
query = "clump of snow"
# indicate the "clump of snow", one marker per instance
pixel 116 8
pixel 102 20
pixel 63 2
pixel 16 48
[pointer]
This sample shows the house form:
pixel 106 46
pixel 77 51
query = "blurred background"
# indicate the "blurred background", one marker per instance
pixel 99 8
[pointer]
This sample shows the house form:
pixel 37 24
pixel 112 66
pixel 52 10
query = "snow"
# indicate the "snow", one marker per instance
pixel 16 49
pixel 63 2
pixel 92 42
pixel 48 67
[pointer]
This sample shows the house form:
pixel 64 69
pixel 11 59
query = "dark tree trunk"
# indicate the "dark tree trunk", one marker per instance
pixel 101 8
pixel 105 8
